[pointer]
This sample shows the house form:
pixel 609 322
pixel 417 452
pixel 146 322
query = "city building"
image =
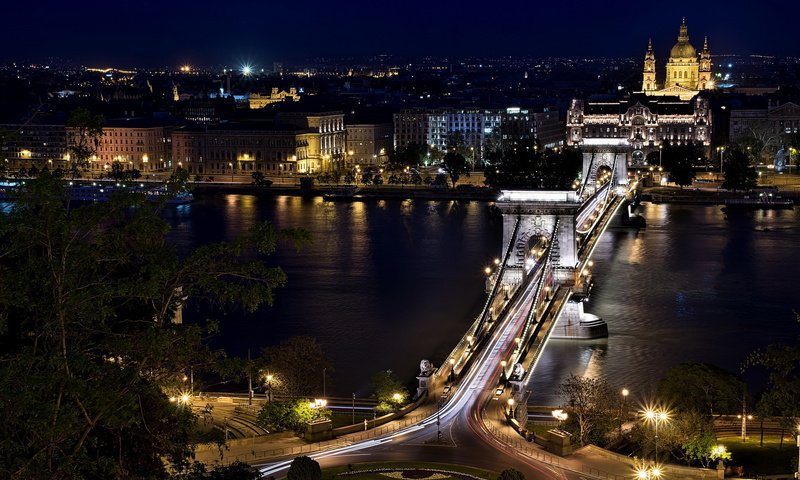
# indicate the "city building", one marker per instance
pixel 368 144
pixel 687 73
pixel 34 145
pixel 331 137
pixel 639 124
pixel 777 118
pixel 243 148
pixel 256 100
pixel 136 143
pixel 476 129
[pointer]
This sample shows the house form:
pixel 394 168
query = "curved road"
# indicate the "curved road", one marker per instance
pixel 465 437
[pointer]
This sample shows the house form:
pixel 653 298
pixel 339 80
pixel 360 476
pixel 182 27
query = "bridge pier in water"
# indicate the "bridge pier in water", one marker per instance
pixel 545 223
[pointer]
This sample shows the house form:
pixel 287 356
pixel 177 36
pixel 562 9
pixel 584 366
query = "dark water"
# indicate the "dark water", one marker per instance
pixel 385 284
pixel 388 283
pixel 695 285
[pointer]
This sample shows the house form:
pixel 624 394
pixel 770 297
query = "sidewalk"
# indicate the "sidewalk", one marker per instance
pixel 589 460
pixel 268 448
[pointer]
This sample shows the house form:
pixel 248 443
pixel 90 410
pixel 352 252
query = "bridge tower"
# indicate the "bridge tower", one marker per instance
pixel 533 221
pixel 530 219
pixel 609 158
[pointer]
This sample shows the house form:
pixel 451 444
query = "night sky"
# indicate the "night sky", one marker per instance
pixel 170 32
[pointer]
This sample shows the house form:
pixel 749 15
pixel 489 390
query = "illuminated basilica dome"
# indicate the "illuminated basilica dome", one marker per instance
pixel 687 72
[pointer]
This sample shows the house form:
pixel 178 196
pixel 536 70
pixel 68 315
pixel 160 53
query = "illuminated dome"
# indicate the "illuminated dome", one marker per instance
pixel 683 49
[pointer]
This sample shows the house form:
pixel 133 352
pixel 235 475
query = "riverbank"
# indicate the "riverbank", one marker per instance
pixel 463 193
pixel 706 196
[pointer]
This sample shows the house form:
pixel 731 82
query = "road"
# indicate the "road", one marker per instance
pixel 465 437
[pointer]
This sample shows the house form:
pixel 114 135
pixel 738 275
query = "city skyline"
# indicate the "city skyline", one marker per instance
pixel 146 34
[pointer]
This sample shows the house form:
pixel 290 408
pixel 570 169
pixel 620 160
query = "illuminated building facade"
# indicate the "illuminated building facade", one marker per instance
pixel 331 137
pixel 244 148
pixel 135 143
pixel 34 145
pixel 638 125
pixel 256 100
pixel 368 144
pixel 687 73
pixel 476 128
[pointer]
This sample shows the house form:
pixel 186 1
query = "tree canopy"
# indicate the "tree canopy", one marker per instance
pixel 739 174
pixel 455 165
pixel 679 161
pixel 527 166
pixel 89 352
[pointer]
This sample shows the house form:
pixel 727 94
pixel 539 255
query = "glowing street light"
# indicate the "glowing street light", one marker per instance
pixel 247 70
pixel 656 417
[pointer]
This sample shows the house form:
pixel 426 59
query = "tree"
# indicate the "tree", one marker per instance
pixel 300 363
pixel 590 401
pixel 259 180
pixel 89 354
pixel 455 165
pixel 388 390
pixel 292 415
pixel 679 161
pixel 304 468
pixel 781 362
pixel 178 181
pixel 85 130
pixel 703 388
pixel 511 474
pixel 525 165
pixel 409 156
pixel 739 175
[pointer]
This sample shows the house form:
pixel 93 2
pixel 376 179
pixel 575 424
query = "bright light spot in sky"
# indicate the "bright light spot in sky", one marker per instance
pixel 247 69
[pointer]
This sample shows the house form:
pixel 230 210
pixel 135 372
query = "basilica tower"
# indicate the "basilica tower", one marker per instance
pixel 704 81
pixel 649 81
pixel 682 67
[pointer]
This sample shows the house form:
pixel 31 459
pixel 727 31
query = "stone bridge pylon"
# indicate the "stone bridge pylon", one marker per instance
pixel 534 221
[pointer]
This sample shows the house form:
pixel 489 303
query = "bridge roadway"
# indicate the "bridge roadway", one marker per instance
pixel 468 418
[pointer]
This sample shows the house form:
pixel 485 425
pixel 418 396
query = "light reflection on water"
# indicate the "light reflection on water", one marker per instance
pixel 389 282
pixel 696 285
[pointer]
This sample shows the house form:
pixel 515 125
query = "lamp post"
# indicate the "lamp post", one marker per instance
pixel 625 392
pixel 660 151
pixel 354 408
pixel 231 165
pixel 656 417
pixel 510 407
pixel 721 151
pixel 797 475
pixel 559 415
pixel 269 387
pixel 650 472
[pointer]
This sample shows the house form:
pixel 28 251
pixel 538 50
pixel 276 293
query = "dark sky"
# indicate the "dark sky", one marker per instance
pixel 169 32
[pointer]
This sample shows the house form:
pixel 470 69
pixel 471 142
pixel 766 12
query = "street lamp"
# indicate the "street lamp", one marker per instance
pixel 231 165
pixel 656 417
pixel 649 472
pixel 559 415
pixel 721 151
pixel 269 387
pixel 510 407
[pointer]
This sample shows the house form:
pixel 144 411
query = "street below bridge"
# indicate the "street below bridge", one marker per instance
pixel 470 427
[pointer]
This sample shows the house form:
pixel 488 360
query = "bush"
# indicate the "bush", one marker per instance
pixel 511 474
pixel 304 468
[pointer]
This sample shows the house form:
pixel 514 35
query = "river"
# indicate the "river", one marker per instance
pixel 389 282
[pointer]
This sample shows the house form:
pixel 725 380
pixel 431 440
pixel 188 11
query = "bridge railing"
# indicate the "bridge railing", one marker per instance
pixel 531 315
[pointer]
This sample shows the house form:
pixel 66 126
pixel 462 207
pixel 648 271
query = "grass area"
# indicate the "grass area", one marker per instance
pixel 331 473
pixel 342 419
pixel 766 460
pixel 540 430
